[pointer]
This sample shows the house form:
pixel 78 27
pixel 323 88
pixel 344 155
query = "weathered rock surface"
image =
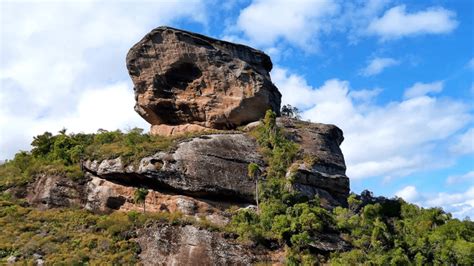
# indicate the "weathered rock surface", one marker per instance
pixel 211 166
pixel 189 245
pixel 52 191
pixel 322 171
pixel 215 166
pixel 187 78
pixel 101 196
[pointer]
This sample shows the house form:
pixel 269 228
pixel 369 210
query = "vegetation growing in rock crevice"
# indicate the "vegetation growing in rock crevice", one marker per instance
pixel 284 217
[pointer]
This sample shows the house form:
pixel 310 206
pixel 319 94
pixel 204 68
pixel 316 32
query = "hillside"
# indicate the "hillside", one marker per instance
pixel 225 176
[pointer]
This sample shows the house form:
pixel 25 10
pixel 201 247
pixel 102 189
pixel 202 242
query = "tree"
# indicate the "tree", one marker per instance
pixel 290 111
pixel 254 172
pixel 139 196
pixel 42 144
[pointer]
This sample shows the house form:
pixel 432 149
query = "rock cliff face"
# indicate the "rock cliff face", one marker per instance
pixel 193 82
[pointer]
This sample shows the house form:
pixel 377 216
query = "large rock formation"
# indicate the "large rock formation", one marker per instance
pixel 188 82
pixel 215 166
pixel 192 82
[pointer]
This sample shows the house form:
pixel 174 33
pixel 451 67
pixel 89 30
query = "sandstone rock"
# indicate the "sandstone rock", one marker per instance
pixel 51 191
pixel 215 166
pixel 177 245
pixel 186 78
pixel 167 130
pixel 104 197
pixel 322 171
pixel 212 166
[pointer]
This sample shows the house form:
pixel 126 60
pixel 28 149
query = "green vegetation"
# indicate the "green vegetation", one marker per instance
pixel 63 153
pixel 399 233
pixel 75 236
pixel 66 236
pixel 283 216
pixel 139 196
pixel 253 172
pixel 376 231
pixel 391 232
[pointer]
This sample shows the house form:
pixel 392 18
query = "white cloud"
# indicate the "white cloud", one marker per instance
pixel 384 141
pixel 464 143
pixel 365 95
pixel 59 54
pixel 421 89
pixel 455 179
pixel 408 193
pixel 109 107
pixel 377 65
pixel 265 22
pixel 397 23
pixel 459 204
pixel 269 23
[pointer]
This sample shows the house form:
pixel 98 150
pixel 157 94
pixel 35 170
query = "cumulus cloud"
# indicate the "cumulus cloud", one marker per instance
pixel 265 22
pixel 386 140
pixel 377 65
pixel 408 193
pixel 397 23
pixel 109 107
pixel 420 89
pixel 461 204
pixel 60 54
pixel 464 143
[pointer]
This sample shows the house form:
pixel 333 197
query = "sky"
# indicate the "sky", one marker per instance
pixel 396 76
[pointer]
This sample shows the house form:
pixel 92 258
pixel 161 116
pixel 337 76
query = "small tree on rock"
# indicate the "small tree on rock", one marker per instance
pixel 139 196
pixel 254 173
pixel 290 111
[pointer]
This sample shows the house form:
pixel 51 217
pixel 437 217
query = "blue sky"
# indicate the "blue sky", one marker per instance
pixel 395 76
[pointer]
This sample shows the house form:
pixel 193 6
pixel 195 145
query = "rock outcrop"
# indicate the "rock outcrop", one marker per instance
pixel 322 171
pixel 211 166
pixel 189 245
pixel 183 78
pixel 215 166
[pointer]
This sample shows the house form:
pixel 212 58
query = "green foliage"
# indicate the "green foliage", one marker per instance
pixel 139 196
pixel 290 111
pixel 63 153
pixel 64 236
pixel 283 216
pixel 252 170
pixel 412 236
pixel 389 232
